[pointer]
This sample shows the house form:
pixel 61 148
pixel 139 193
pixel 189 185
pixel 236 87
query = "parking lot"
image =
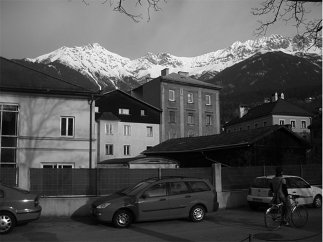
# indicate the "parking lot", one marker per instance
pixel 225 225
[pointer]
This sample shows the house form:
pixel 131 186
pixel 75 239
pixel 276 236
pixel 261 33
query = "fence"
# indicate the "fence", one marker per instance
pixel 242 177
pixel 8 176
pixel 59 182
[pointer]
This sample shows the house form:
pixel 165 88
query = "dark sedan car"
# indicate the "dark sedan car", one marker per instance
pixel 17 206
pixel 156 199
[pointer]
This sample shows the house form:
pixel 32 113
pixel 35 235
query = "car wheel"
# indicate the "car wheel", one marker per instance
pixel 122 218
pixel 317 202
pixel 7 222
pixel 197 213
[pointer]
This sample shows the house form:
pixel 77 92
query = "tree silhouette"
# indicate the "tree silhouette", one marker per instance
pixel 290 11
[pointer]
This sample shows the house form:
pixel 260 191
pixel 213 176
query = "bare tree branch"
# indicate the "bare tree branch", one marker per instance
pixel 292 12
pixel 119 6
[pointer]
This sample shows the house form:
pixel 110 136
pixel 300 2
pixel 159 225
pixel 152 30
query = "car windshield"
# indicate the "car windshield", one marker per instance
pixel 133 190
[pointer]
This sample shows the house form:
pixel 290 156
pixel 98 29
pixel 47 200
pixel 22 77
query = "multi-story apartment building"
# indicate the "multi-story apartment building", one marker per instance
pixel 189 107
pixel 126 126
pixel 275 112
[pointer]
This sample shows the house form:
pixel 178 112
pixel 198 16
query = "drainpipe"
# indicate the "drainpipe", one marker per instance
pixel 90 144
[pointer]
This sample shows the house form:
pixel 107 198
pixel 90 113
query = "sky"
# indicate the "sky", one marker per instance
pixel 184 28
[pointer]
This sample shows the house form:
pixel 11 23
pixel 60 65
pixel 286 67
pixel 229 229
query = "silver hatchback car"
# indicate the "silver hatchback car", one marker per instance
pixel 17 206
pixel 157 199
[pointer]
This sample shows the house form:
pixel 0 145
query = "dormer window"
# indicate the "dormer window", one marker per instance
pixel 124 111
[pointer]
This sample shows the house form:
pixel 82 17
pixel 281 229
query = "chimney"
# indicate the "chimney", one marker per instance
pixel 282 96
pixel 165 72
pixel 183 73
pixel 243 110
pixel 274 97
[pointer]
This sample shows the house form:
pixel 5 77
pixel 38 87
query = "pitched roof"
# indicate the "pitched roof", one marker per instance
pixel 217 142
pixel 109 94
pixel 174 77
pixel 106 116
pixel 20 78
pixel 279 107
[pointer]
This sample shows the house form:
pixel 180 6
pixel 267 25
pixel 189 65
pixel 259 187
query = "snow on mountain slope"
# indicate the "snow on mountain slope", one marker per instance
pixel 97 63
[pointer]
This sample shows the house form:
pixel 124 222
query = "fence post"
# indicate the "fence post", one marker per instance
pixel 217 177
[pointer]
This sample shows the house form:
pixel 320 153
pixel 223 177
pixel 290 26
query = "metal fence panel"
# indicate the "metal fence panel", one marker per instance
pixel 8 176
pixel 59 182
pixel 112 180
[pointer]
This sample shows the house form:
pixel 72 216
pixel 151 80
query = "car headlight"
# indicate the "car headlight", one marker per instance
pixel 103 205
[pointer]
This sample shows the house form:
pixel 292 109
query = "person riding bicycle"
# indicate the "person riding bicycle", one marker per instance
pixel 279 188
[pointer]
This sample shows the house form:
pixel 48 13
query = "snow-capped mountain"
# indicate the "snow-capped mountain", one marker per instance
pixel 110 70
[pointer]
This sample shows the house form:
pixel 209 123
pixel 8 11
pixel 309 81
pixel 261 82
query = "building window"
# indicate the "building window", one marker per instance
pixel 126 149
pixel 304 124
pixel 293 123
pixel 142 112
pixel 171 95
pixel 265 124
pixel 57 165
pixel 190 118
pixel 172 116
pixel 207 99
pixel 248 127
pixel 149 131
pixel 108 129
pixel 190 97
pixel 281 121
pixel 208 119
pixel 256 125
pixel 8 134
pixel 124 111
pixel 67 126
pixel 108 149
pixel 126 130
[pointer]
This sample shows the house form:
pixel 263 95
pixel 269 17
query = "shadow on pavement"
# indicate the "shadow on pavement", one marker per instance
pixel 158 235
pixel 40 236
pixel 267 236
pixel 89 220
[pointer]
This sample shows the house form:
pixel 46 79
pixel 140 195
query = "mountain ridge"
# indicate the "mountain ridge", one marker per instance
pixel 107 69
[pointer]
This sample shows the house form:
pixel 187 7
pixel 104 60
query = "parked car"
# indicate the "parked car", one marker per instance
pixel 17 206
pixel 157 199
pixel 259 193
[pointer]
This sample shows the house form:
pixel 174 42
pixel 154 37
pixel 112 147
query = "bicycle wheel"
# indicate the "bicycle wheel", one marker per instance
pixel 299 216
pixel 273 217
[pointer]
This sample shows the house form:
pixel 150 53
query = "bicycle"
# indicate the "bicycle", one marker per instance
pixel 298 214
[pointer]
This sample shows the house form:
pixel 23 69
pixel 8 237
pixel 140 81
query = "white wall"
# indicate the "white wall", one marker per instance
pixel 39 137
pixel 138 139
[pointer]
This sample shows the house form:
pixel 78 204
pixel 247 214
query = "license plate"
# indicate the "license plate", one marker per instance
pixel 257 199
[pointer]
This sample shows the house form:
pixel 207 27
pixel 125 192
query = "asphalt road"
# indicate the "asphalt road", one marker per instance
pixel 225 225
